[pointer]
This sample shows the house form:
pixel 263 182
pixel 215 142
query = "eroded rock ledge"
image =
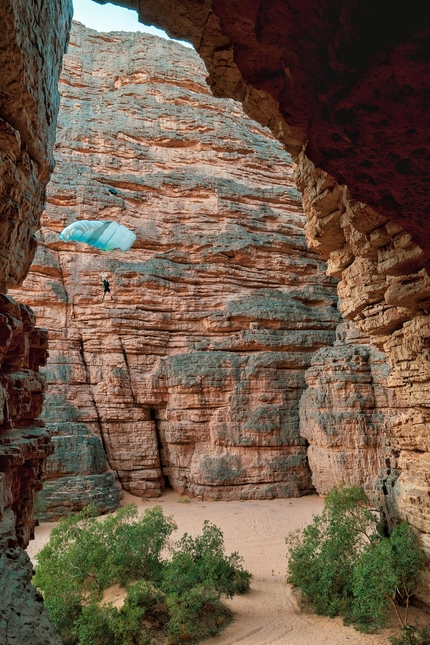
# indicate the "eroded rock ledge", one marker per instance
pixel 195 371
pixel 347 410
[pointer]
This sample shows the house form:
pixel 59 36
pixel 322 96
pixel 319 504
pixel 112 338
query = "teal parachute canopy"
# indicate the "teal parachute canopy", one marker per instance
pixel 104 235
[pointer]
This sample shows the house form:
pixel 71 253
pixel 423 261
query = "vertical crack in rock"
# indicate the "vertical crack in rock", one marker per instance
pixel 161 448
pixel 88 381
pixel 124 354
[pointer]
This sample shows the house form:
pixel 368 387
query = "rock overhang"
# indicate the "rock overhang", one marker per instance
pixel 347 79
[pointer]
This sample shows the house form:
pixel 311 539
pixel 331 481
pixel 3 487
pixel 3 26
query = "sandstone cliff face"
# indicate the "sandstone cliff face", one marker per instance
pixel 384 291
pixel 24 447
pixel 32 41
pixel 345 84
pixel 347 411
pixel 193 373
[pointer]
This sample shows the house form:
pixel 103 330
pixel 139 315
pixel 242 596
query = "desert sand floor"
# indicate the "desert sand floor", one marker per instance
pixel 268 614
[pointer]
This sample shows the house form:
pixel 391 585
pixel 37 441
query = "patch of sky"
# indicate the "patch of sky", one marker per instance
pixel 110 17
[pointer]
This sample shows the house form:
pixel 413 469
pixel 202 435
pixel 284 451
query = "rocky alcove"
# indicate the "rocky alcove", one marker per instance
pixel 343 86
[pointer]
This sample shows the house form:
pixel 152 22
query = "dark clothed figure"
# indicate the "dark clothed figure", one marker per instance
pixel 106 289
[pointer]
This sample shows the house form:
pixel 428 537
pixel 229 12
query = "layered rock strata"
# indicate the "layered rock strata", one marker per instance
pixel 384 291
pixel 347 411
pixel 33 38
pixel 77 473
pixel 346 79
pixel 24 446
pixel 32 42
pixel 343 86
pixel 192 374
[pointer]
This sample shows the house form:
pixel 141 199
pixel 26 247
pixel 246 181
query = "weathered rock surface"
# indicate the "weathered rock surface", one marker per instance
pixel 347 79
pixel 77 471
pixel 23 618
pixel 344 84
pixel 24 447
pixel 384 291
pixel 347 410
pixel 193 373
pixel 33 37
pixel 32 43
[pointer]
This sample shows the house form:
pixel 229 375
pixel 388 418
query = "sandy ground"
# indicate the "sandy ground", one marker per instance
pixel 268 614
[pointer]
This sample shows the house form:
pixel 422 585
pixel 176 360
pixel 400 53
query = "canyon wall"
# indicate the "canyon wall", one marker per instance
pixel 344 86
pixel 347 411
pixel 193 373
pixel 33 38
pixel 384 291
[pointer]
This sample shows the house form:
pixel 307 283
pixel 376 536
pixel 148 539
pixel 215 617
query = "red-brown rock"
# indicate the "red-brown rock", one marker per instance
pixel 33 37
pixel 347 410
pixel 24 447
pixel 346 79
pixel 194 371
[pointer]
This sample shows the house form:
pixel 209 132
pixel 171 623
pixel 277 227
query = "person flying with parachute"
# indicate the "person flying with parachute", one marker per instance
pixel 103 235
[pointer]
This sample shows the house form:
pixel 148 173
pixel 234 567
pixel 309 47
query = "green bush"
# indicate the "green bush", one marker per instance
pixel 194 580
pixel 202 601
pixel 178 595
pixel 102 625
pixel 343 566
pixel 412 636
pixel 374 583
pixel 93 625
pixel 322 556
pixel 144 595
pixel 201 561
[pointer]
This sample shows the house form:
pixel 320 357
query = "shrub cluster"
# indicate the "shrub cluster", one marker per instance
pixel 344 566
pixel 175 596
pixel 412 636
